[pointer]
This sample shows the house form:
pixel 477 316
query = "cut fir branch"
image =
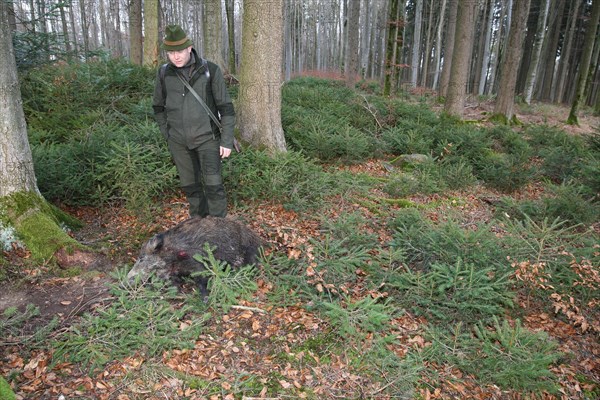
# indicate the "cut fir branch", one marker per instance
pixel 225 284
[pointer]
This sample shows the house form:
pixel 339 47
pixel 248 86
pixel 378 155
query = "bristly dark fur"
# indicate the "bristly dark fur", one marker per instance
pixel 170 254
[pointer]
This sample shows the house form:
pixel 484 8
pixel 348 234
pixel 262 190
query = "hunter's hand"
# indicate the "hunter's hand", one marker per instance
pixel 224 152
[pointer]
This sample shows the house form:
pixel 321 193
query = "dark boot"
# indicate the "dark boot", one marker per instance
pixel 216 199
pixel 197 201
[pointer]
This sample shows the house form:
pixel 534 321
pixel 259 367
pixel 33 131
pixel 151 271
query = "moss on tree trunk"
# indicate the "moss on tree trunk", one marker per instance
pixel 6 392
pixel 38 224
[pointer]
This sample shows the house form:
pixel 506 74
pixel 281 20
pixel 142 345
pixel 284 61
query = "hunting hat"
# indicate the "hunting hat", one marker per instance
pixel 175 39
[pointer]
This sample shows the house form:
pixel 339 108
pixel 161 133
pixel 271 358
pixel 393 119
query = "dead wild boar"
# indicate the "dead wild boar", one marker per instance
pixel 170 254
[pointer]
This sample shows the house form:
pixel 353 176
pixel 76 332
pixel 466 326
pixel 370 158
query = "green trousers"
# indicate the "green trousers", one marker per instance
pixel 200 177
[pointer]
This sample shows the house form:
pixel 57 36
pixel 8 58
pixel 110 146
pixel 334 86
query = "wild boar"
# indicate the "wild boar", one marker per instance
pixel 170 254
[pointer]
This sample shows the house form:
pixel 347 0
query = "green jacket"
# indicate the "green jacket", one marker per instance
pixel 179 115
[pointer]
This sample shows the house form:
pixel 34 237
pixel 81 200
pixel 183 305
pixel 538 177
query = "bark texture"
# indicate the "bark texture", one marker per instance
pixel 151 38
pixel 259 100
pixel 461 58
pixel 510 67
pixel 135 32
pixel 16 164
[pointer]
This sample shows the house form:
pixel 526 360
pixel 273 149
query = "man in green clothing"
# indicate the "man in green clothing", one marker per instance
pixel 195 142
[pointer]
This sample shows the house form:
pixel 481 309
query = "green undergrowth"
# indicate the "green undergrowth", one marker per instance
pixel 94 141
pixel 463 281
pixel 507 354
pixel 146 318
pixel 392 256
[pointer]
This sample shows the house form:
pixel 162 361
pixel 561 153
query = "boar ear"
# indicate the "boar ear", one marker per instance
pixel 156 243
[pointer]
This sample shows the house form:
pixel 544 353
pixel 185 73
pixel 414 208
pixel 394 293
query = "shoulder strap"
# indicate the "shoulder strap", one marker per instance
pixel 163 69
pixel 202 103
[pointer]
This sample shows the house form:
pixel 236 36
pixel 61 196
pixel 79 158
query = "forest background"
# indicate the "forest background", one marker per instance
pixel 408 42
pixel 430 201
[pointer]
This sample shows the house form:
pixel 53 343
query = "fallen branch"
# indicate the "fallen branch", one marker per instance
pixel 256 309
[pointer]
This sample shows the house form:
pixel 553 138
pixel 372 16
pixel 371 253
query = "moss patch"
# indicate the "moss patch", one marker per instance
pixel 17 204
pixel 38 224
pixel 6 392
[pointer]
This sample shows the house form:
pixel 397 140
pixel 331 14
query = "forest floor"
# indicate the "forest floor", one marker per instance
pixel 223 352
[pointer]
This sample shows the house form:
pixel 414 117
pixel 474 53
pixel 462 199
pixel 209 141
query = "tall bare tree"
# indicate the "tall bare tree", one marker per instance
pixel 259 104
pixel 550 48
pixel 392 49
pixel 499 45
pixel 12 20
pixel 438 45
pixel 231 57
pixel 567 52
pixel 484 64
pixel 65 29
pixel 22 205
pixel 16 163
pixel 352 44
pixel 448 48
pixel 136 49
pixel 151 39
pixel 534 63
pixel 84 28
pixel 584 64
pixel 416 44
pixel 73 29
pixel 333 35
pixel 461 57
pixel 213 33
pixel 510 67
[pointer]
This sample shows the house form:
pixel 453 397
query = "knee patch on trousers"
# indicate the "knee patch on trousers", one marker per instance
pixel 213 180
pixel 214 192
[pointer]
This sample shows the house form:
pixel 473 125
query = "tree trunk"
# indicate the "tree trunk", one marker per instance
pixel 392 52
pixel 438 45
pixel 151 40
pixel 16 163
pixel 41 6
pixel 115 11
pixel 500 44
pixel 485 53
pixel 352 44
pixel 65 29
pixel 73 29
pixel 566 53
pixel 461 58
pixel 259 100
pixel 530 31
pixel 212 25
pixel 365 49
pixel 537 51
pixel 105 34
pixel 448 48
pixel 584 65
pixel 550 50
pixel 84 28
pixel 427 48
pixel 415 62
pixel 231 59
pixel 594 76
pixel 478 46
pixel 135 32
pixel 12 20
pixel 512 60
pixel 21 204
